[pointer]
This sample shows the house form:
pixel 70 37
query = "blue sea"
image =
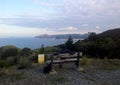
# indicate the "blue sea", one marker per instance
pixel 32 43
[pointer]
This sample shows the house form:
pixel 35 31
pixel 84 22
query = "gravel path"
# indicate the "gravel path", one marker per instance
pixel 65 76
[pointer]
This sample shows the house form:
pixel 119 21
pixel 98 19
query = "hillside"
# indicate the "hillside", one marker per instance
pixel 113 33
pixel 64 36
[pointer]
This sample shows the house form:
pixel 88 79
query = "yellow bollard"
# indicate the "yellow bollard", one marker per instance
pixel 41 58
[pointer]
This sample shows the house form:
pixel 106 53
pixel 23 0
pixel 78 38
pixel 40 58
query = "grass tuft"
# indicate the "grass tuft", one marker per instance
pixel 86 61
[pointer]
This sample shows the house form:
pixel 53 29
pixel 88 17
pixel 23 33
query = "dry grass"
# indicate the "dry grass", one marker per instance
pixel 86 61
pixel 107 64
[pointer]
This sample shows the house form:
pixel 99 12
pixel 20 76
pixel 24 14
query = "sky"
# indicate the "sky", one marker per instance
pixel 29 18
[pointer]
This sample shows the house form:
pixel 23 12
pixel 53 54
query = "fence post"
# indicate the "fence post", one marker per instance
pixel 77 62
pixel 78 59
pixel 51 64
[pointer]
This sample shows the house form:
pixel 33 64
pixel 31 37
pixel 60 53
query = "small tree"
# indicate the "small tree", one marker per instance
pixel 69 43
pixel 25 52
pixel 92 36
pixel 42 49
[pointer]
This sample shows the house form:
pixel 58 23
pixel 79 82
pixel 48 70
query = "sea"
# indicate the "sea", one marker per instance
pixel 32 43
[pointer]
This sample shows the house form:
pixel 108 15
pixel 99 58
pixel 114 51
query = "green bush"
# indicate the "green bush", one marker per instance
pixel 8 51
pixel 25 52
pixel 34 58
pixel 9 62
pixel 4 63
pixel 12 60
pixel 24 63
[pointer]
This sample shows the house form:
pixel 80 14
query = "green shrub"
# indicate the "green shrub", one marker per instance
pixel 13 60
pixel 9 62
pixel 24 63
pixel 4 63
pixel 34 58
pixel 8 51
pixel 25 52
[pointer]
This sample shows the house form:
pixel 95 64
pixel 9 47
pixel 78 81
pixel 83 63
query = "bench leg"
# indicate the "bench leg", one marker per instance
pixel 47 68
pixel 77 64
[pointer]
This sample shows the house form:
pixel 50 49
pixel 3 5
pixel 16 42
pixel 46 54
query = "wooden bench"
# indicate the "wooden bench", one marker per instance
pixel 62 59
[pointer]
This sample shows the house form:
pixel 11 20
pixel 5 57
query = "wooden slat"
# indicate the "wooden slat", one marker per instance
pixel 56 61
pixel 74 55
pixel 62 61
pixel 69 60
pixel 65 57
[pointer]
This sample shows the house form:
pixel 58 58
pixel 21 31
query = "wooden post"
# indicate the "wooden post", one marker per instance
pixel 51 64
pixel 78 57
pixel 81 54
pixel 77 62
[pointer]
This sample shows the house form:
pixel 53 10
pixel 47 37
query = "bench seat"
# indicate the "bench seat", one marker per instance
pixel 62 61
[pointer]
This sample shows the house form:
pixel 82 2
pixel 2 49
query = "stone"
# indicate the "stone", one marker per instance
pixel 80 69
pixel 53 72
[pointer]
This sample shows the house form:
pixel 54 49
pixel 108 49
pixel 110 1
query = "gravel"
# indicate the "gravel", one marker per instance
pixel 67 75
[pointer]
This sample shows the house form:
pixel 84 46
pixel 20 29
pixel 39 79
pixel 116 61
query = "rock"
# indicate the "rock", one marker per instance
pixel 53 72
pixel 80 69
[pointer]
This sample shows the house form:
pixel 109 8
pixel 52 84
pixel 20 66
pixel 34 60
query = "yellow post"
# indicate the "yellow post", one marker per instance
pixel 41 58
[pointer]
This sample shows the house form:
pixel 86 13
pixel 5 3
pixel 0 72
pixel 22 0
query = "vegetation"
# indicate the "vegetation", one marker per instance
pixel 85 61
pixel 100 53
pixel 69 43
pixel 103 45
pixel 24 62
pixel 47 50
pixel 7 51
pixel 113 33
pixel 106 64
pixel 96 46
pixel 25 52
pixel 10 55
pixel 42 49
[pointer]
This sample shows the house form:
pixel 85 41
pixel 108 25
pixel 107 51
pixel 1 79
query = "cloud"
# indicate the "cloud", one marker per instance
pixel 98 27
pixel 70 28
pixel 11 30
pixel 85 25
pixel 52 3
pixel 91 8
pixel 69 16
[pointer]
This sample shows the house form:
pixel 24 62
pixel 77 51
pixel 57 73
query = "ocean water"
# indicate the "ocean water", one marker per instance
pixel 32 43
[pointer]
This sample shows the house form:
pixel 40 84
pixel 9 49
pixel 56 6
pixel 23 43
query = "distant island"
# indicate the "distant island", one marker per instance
pixel 64 36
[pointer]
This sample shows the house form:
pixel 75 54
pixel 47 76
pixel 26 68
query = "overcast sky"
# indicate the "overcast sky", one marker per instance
pixel 29 18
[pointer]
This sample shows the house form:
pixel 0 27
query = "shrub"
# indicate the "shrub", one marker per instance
pixel 12 60
pixel 9 62
pixel 69 43
pixel 25 52
pixel 8 51
pixel 34 58
pixel 24 63
pixel 4 63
